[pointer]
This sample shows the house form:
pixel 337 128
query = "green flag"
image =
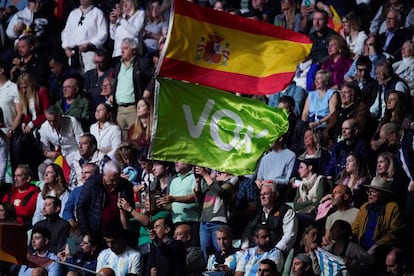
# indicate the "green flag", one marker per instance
pixel 212 128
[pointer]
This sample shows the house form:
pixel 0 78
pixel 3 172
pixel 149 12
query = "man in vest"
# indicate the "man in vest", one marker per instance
pixel 277 216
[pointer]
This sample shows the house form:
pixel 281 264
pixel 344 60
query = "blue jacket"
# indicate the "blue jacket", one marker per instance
pixel 92 202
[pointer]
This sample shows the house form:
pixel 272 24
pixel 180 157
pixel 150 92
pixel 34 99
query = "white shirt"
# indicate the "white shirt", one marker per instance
pixel 126 28
pixel 8 99
pixel 108 138
pixel 67 137
pixel 129 261
pixel 92 29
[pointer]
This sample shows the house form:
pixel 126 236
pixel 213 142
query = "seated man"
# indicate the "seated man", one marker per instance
pixel 74 104
pixel 88 153
pixel 119 256
pixel 302 265
pixel 377 231
pixel 58 135
pixel 226 259
pixel 58 227
pixel 342 201
pixel 194 257
pixel 249 263
pixel 23 195
pixel 40 240
pixel 277 216
pixel 168 256
pixel 267 268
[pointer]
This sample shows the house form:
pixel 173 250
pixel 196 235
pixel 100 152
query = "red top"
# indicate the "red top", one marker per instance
pixel 25 206
pixel 44 103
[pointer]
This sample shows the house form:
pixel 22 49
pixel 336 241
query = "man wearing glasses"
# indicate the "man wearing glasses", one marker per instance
pixel 277 216
pixel 378 223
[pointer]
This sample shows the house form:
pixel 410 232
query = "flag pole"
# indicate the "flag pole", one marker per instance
pixel 76 266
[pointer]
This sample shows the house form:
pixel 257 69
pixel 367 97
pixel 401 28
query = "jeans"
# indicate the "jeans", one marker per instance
pixel 208 237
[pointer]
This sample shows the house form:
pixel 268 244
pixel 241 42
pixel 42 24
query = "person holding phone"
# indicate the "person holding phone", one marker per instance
pixel 98 205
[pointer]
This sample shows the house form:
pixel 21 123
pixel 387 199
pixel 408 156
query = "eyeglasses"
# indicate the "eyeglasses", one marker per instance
pixel 86 172
pixel 68 86
pixel 391 19
pixel 265 194
pixel 375 192
pixel 80 23
pixel 342 92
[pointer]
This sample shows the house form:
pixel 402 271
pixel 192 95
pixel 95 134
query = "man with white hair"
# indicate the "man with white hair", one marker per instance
pixel 98 206
pixel 131 77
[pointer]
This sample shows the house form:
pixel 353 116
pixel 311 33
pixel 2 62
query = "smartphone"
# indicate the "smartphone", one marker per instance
pixel 196 175
pixel 71 244
pixel 297 183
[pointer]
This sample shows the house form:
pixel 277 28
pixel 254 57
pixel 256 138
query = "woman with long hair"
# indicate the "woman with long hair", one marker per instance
pixel 106 132
pixel 352 34
pixel 290 17
pixel 140 132
pixel 34 99
pixel 54 185
pixel 7 213
pixel 155 27
pixel 126 21
pixel 389 169
pixel 355 176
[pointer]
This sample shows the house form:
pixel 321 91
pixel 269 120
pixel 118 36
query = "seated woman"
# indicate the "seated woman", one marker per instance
pixel 357 260
pixel 397 110
pixel 54 185
pixel 106 132
pixel 7 213
pixel 389 169
pixel 339 60
pixel 355 176
pixel 352 34
pixel 311 189
pixel 320 105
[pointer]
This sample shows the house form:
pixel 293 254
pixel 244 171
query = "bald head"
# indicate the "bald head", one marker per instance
pixel 395 262
pixel 106 271
pixel 182 233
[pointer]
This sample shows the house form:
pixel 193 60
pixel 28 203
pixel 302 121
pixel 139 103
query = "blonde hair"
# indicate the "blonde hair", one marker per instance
pixel 32 91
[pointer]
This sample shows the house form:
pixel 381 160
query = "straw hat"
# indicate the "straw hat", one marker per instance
pixel 381 184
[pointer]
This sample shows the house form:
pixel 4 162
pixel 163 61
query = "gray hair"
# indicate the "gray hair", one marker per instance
pixel 111 167
pixel 131 42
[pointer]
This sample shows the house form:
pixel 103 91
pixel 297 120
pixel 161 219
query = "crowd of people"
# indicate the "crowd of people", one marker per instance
pixel 76 84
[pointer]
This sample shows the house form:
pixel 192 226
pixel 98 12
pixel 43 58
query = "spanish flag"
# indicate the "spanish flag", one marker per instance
pixel 229 52
pixel 13 243
pixel 61 162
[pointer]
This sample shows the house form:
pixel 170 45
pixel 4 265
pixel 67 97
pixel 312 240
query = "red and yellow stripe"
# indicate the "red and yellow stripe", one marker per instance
pixel 262 58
